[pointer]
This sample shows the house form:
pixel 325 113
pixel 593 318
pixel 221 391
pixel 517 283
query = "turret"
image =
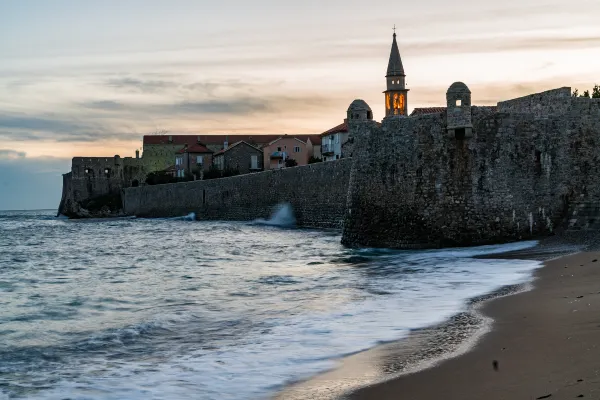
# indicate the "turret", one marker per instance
pixel 458 100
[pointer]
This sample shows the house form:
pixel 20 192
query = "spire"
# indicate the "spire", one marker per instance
pixel 395 67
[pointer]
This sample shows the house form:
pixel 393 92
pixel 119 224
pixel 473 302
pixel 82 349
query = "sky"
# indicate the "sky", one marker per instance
pixel 90 78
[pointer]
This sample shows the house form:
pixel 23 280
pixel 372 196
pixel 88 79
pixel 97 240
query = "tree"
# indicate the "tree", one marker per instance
pixel 313 160
pixel 586 94
pixel 575 93
pixel 290 162
pixel 596 92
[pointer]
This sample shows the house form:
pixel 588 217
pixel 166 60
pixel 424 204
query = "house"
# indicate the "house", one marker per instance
pixel 193 159
pixel 240 156
pixel 333 140
pixel 159 149
pixel 285 148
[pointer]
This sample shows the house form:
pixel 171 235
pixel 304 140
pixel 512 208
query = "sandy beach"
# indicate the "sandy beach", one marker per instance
pixel 544 343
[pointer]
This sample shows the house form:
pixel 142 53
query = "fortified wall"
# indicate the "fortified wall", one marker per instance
pixel 317 193
pixel 473 175
pixel 95 182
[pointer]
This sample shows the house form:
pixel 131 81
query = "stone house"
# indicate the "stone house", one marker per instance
pixel 289 147
pixel 240 156
pixel 191 159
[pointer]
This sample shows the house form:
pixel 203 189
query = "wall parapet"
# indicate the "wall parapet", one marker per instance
pixel 544 104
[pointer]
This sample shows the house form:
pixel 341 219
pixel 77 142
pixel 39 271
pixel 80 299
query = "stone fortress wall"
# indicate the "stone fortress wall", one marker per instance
pixel 317 193
pixel 417 183
pixel 93 177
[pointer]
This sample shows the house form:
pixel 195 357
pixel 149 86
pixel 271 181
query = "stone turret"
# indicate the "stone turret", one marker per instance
pixel 458 100
pixel 359 110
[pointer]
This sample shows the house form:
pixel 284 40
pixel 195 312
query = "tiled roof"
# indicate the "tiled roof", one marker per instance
pixel 343 127
pixel 232 146
pixel 314 139
pixel 427 110
pixel 220 139
pixel 195 148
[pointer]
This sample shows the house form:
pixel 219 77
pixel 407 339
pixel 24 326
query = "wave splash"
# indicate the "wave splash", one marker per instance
pixel 283 216
pixel 189 217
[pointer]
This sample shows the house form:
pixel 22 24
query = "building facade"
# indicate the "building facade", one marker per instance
pixel 280 151
pixel 241 157
pixel 333 140
pixel 193 160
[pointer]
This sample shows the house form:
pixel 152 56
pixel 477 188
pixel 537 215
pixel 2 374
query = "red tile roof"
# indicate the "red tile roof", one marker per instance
pixel 194 148
pixel 232 146
pixel 343 127
pixel 427 110
pixel 220 139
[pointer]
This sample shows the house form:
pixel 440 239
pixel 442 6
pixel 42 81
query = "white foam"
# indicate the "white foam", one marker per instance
pixel 283 216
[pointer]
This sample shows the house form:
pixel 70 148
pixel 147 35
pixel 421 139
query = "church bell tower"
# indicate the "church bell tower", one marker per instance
pixel 396 93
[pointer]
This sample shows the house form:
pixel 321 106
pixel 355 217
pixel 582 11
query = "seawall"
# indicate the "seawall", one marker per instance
pixel 317 193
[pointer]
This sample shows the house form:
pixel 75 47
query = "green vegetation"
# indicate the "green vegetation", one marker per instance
pixel 586 93
pixel 161 177
pixel 215 173
pixel 290 162
pixel 313 160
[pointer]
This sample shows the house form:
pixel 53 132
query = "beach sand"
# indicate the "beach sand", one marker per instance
pixel 543 343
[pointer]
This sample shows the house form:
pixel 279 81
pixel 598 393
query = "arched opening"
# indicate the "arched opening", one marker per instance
pixel 459 133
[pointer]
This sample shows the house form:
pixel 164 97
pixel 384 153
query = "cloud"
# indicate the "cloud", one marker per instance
pixel 107 105
pixel 11 154
pixel 140 85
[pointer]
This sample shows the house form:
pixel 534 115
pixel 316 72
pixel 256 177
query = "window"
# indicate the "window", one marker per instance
pixel 297 149
pixel 253 161
pixel 279 149
pixel 200 160
pixel 458 103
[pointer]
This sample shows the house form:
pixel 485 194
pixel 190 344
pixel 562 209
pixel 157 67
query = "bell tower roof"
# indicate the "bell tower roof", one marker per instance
pixel 395 67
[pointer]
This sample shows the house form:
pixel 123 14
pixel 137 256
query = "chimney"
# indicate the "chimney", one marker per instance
pixel 137 154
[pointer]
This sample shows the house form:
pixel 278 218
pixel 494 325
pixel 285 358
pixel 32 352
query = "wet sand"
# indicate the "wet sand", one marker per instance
pixel 543 343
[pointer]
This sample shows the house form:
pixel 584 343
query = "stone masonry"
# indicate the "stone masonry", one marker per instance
pixel 317 193
pixel 413 185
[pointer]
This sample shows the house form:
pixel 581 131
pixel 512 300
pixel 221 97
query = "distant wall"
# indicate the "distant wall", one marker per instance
pixel 93 177
pixel 317 192
pixel 551 102
pixel 413 186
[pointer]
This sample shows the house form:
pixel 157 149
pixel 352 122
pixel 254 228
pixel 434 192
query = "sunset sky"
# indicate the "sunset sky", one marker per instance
pixel 82 77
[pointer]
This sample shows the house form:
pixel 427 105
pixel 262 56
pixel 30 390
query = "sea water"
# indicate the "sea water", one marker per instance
pixel 179 308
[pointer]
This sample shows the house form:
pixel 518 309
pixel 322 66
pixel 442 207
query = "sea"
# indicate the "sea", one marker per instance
pixel 179 308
